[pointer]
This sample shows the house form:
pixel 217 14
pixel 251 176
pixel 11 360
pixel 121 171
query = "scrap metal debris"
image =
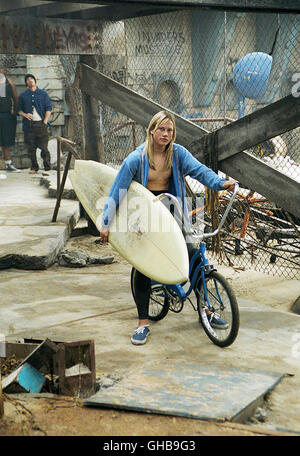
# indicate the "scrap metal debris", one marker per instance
pixel 9 364
pixel 56 367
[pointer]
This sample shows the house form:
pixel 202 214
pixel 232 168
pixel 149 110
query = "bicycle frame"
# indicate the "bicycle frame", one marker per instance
pixel 204 266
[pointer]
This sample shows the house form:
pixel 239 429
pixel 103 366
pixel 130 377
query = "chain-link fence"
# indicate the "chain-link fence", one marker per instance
pixel 193 62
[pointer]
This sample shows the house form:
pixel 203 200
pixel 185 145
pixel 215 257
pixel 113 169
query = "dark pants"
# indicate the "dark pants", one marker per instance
pixel 142 294
pixel 8 125
pixel 37 137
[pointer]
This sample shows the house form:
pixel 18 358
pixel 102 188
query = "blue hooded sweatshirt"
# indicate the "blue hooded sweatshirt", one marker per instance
pixel 136 167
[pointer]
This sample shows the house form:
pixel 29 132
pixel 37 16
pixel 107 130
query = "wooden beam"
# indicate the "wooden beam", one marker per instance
pixel 264 6
pixel 11 5
pixel 52 9
pixel 79 11
pixel 92 140
pixel 242 134
pixel 263 178
pixel 257 175
pixel 129 102
pixel 115 12
pixel 251 130
pixel 48 36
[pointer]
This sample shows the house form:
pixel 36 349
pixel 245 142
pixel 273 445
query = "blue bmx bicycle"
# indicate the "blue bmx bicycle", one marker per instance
pixel 214 295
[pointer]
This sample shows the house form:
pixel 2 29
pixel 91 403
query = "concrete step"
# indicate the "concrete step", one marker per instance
pixel 28 237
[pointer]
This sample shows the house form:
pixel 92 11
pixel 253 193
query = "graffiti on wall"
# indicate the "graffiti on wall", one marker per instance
pixel 125 77
pixel 48 36
pixel 159 43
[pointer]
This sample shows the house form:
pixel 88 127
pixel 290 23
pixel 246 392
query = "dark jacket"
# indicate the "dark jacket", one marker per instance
pixel 39 99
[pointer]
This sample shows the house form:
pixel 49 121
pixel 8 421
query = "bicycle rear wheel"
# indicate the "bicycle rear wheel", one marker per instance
pixel 159 302
pixel 222 301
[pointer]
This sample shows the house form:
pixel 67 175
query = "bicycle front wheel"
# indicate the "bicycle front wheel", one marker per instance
pixel 220 300
pixel 159 303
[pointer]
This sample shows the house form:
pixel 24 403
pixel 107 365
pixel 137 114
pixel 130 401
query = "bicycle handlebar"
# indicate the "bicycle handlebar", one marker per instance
pixel 213 233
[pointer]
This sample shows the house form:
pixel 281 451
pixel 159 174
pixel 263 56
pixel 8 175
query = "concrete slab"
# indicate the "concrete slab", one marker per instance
pixel 70 305
pixel 28 238
pixel 50 182
pixel 190 390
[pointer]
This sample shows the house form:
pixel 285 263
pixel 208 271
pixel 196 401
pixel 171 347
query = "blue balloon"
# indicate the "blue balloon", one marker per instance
pixel 251 74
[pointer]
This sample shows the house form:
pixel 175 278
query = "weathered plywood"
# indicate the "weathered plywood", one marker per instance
pixel 189 390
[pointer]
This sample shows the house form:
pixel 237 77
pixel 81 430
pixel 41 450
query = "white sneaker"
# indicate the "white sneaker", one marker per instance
pixel 11 168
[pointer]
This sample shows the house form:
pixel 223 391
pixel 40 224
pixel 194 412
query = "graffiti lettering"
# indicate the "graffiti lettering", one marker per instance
pixel 153 49
pixel 170 36
pixel 159 43
pixel 127 78
pixel 34 37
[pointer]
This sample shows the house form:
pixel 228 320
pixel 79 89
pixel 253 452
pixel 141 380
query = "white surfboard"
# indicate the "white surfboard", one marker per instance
pixel 143 230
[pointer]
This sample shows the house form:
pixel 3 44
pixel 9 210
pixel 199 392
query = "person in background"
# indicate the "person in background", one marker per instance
pixel 35 107
pixel 8 119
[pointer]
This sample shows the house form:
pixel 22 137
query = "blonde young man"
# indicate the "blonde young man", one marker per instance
pixel 160 165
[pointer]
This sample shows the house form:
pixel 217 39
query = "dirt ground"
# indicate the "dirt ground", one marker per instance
pixel 64 416
pixel 53 415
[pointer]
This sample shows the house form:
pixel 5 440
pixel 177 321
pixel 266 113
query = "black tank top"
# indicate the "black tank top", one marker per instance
pixel 6 101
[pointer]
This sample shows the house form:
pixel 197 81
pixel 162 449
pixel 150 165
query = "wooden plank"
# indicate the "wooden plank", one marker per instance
pixel 51 9
pixel 92 139
pixel 20 350
pixel 263 178
pixel 116 12
pixel 272 6
pixel 129 102
pixel 249 131
pixel 48 36
pixel 76 11
pixel 253 129
pixel 42 355
pixel 11 5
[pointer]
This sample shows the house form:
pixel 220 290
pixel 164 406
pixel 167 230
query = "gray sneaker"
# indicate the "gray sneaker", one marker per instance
pixel 11 168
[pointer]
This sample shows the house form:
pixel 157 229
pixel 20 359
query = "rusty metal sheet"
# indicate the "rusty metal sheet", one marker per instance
pixel 49 36
pixel 194 391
